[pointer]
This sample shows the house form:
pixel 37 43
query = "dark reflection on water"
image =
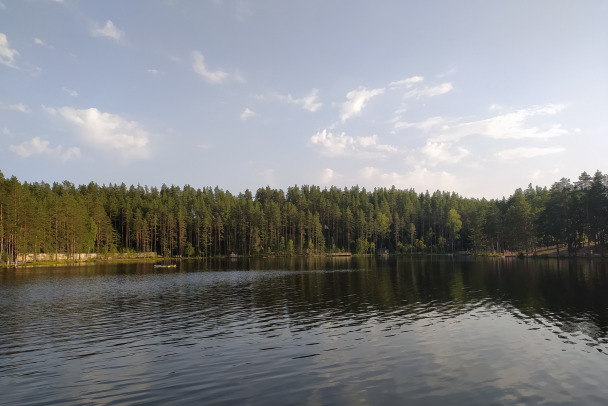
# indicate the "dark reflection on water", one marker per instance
pixel 307 331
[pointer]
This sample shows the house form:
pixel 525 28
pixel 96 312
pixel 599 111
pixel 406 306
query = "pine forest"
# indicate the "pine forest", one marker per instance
pixel 173 221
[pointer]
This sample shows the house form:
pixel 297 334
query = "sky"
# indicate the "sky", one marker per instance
pixel 474 97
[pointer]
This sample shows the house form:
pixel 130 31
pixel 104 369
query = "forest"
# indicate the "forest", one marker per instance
pixel 174 221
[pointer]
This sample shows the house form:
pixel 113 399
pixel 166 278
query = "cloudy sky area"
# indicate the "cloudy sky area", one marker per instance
pixel 475 97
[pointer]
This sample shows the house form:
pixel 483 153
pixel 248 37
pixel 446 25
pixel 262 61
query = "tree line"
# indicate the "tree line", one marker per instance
pixel 184 221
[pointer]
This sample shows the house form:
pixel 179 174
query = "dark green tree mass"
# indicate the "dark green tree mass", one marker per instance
pixel 37 218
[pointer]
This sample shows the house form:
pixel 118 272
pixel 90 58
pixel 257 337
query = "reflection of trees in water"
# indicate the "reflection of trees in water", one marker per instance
pixel 568 294
pixel 309 292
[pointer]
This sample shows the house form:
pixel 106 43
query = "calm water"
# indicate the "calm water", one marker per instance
pixel 343 332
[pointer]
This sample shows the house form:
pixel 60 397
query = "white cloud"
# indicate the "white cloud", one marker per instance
pixel 419 179
pixel 408 82
pixel 343 144
pixel 71 153
pixel 154 72
pixel 526 153
pixel 549 175
pixel 332 144
pixel 327 176
pixel 247 113
pixel 2 6
pixel 108 31
pixel 430 91
pixel 507 126
pixel 6 131
pixel 69 91
pixel 40 42
pixel 310 102
pixel 550 109
pixel 37 146
pixel 441 152
pixel 424 125
pixel 19 107
pixel 356 100
pixel 199 67
pixel 7 54
pixel 107 131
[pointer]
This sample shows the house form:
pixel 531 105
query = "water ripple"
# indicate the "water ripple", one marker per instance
pixel 380 336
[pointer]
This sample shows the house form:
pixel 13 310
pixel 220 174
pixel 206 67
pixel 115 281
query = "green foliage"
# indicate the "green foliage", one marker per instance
pixel 61 218
pixel 361 246
pixel 420 246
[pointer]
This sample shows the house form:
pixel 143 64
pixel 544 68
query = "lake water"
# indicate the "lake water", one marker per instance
pixel 307 332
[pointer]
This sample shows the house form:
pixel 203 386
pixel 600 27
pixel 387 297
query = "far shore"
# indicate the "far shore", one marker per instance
pixel 93 259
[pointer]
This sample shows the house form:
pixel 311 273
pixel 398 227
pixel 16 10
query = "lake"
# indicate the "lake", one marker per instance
pixel 358 331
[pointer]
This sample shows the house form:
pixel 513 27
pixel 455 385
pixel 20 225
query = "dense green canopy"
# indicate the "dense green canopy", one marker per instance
pixel 188 222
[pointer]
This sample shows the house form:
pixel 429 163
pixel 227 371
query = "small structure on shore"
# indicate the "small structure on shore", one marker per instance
pixel 382 252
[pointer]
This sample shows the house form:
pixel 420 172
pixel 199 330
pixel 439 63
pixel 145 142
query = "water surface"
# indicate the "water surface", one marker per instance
pixel 346 332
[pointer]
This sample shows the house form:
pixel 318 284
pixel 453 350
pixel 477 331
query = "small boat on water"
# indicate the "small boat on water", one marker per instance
pixel 165 266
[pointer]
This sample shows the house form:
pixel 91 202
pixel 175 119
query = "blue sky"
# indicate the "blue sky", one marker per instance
pixel 475 97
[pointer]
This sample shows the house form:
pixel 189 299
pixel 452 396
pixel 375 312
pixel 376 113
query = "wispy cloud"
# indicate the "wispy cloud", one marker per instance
pixel 425 125
pixel 420 179
pixel 19 107
pixel 356 101
pixel 38 146
pixel 7 54
pixel 309 102
pixel 198 64
pixel 154 72
pixel 107 131
pixel 243 10
pixel 527 153
pixel 109 30
pixel 548 174
pixel 40 42
pixel 442 152
pixel 247 114
pixel 431 91
pixel 342 144
pixel 407 82
pixel 69 91
pixel 506 126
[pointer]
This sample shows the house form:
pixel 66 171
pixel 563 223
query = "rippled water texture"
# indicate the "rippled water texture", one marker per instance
pixel 344 332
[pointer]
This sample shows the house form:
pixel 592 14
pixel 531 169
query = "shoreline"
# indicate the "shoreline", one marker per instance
pixel 329 256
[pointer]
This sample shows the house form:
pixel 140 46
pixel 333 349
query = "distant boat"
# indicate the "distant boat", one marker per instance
pixel 165 266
